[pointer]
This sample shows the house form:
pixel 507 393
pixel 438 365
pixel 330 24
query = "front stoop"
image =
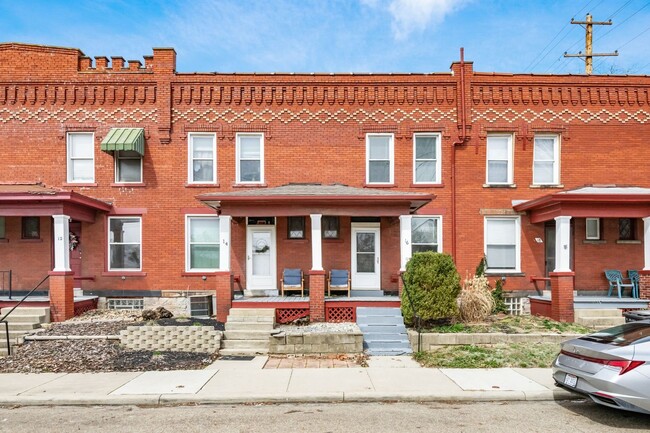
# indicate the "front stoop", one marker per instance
pixel 599 318
pixel 384 333
pixel 22 321
pixel 248 331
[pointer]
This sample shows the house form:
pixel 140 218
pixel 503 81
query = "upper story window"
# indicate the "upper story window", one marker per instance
pixel 379 158
pixel 250 158
pixel 296 227
pixel 330 227
pixel 128 166
pixel 30 228
pixel 426 158
pixel 499 159
pixel 202 167
pixel 202 246
pixel 502 244
pixel 425 234
pixel 592 229
pixel 81 157
pixel 546 160
pixel 124 243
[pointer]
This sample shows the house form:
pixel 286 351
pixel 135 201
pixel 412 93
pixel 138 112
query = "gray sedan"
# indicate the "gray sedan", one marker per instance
pixel 611 366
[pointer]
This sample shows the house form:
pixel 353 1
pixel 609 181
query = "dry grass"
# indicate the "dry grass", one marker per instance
pixel 475 302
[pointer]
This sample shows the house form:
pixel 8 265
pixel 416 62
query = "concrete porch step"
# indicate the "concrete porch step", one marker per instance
pixel 250 319
pixel 598 312
pixel 27 311
pixel 20 326
pixel 245 344
pixel 252 312
pixel 600 322
pixel 387 344
pixel 248 326
pixel 371 328
pixel 27 318
pixel 388 352
pixel 243 352
pixel 247 335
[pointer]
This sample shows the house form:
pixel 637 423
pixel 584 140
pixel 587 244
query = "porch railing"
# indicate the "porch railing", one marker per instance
pixel 417 320
pixel 3 320
pixel 5 282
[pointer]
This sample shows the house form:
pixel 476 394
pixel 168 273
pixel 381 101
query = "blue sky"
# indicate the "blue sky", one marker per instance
pixel 341 35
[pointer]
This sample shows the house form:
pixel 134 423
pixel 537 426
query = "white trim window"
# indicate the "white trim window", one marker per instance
pixel 592 229
pixel 545 160
pixel 202 245
pixel 124 243
pixel 503 244
pixel 202 157
pixel 128 166
pixel 380 158
pixel 499 159
pixel 250 158
pixel 426 234
pixel 81 157
pixel 426 158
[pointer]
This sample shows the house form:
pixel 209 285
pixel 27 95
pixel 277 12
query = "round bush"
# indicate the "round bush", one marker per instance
pixel 433 284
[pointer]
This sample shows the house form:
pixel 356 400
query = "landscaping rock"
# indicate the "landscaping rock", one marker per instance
pixel 157 313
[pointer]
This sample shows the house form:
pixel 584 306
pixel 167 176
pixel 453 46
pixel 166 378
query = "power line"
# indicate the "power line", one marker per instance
pixel 601 61
pixel 589 32
pixel 618 26
pixel 619 9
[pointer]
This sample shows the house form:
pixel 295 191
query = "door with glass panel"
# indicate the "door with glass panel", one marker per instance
pixel 366 260
pixel 261 258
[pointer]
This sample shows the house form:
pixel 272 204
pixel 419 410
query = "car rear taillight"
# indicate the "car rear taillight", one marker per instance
pixel 624 364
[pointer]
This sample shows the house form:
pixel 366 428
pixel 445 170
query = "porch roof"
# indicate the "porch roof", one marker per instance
pixel 607 201
pixel 303 199
pixel 39 200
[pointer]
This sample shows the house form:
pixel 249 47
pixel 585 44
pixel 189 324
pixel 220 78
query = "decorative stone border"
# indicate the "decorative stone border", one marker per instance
pixel 430 340
pixel 174 338
pixel 313 343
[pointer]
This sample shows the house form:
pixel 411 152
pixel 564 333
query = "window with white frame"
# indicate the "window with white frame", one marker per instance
pixel 379 158
pixel 425 234
pixel 202 167
pixel 250 158
pixel 545 160
pixel 81 157
pixel 593 229
pixel 499 159
pixel 502 244
pixel 128 166
pixel 426 158
pixel 124 243
pixel 202 243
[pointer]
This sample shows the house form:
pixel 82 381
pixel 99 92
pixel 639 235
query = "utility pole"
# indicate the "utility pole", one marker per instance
pixel 589 33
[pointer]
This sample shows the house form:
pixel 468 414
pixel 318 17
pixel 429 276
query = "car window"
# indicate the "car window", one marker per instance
pixel 622 335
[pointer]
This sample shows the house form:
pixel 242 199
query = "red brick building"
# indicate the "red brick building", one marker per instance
pixel 126 180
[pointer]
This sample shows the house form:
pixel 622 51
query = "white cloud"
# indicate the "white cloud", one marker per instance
pixel 417 15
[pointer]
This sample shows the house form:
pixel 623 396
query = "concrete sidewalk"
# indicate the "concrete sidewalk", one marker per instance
pixel 392 379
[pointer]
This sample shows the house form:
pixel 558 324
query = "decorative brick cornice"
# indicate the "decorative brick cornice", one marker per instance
pixel 78 116
pixel 27 94
pixel 558 116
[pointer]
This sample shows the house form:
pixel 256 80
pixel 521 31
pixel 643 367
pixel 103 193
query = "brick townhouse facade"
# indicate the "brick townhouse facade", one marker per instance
pixel 123 179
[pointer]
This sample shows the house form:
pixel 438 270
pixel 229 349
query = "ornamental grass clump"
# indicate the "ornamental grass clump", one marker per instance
pixel 475 302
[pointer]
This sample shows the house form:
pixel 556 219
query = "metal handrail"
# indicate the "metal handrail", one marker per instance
pixel 3 320
pixel 416 316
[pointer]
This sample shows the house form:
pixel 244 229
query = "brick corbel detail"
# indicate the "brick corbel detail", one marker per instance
pixel 562 286
pixel 644 284
pixel 223 286
pixel 61 295
pixel 316 296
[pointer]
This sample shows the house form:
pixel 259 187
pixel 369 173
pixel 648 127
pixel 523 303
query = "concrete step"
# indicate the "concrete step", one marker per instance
pixel 22 311
pixel 379 336
pixel 598 312
pixel 18 326
pixel 380 320
pixel 243 352
pixel 387 352
pixel 247 335
pixel 26 318
pixel 600 322
pixel 245 344
pixel 378 311
pixel 397 328
pixel 386 344
pixel 254 312
pixel 250 319
pixel 248 326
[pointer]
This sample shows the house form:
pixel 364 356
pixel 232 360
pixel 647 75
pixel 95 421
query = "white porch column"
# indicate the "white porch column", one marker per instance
pixel 224 249
pixel 405 240
pixel 563 244
pixel 61 243
pixel 316 243
pixel 646 244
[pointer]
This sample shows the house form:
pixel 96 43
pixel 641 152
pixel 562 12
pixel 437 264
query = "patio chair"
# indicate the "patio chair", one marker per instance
pixel 338 281
pixel 292 280
pixel 634 278
pixel 615 279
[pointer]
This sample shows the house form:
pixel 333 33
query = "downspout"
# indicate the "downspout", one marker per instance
pixel 462 138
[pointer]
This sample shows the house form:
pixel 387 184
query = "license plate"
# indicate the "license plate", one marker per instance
pixel 570 380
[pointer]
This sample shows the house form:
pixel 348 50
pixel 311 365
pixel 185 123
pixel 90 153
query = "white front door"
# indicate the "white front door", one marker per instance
pixel 260 258
pixel 366 262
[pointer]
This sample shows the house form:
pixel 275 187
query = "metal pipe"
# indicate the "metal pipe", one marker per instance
pixel 462 138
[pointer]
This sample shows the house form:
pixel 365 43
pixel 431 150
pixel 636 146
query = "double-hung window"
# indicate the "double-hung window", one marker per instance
pixel 202 158
pixel 499 159
pixel 81 157
pixel 128 166
pixel 202 246
pixel 592 229
pixel 425 234
pixel 250 158
pixel 379 158
pixel 426 158
pixel 502 244
pixel 124 243
pixel 545 160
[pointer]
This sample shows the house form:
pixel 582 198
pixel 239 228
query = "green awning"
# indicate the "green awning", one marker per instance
pixel 124 139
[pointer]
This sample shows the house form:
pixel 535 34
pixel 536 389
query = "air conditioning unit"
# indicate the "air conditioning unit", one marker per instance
pixel 201 306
